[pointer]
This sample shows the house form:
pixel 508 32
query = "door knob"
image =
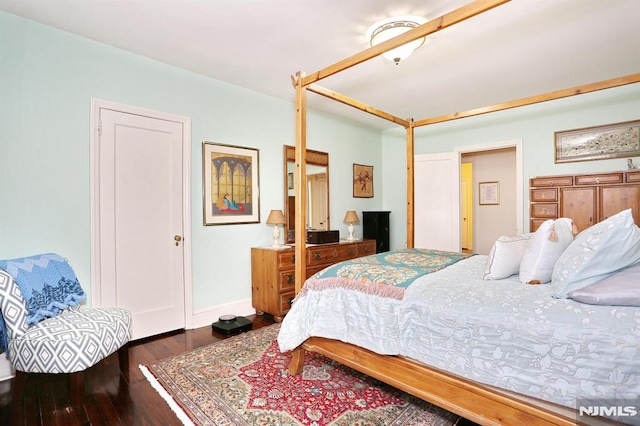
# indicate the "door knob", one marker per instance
pixel 177 238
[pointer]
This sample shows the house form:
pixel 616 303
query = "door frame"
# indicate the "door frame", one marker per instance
pixel 96 284
pixel 517 144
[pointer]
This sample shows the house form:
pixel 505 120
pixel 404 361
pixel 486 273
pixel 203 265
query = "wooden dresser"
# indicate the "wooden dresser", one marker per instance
pixel 273 271
pixel 585 198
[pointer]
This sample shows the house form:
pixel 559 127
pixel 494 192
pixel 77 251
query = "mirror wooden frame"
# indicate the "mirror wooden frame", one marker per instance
pixel 317 158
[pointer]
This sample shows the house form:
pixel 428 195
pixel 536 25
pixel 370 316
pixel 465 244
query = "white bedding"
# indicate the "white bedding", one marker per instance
pixel 502 333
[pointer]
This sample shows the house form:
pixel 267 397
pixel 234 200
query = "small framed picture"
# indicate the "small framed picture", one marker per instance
pixel 489 193
pixel 362 181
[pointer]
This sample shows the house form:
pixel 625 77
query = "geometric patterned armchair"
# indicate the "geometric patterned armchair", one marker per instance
pixel 71 341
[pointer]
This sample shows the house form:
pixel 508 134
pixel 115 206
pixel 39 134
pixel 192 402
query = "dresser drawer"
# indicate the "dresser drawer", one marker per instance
pixel 551 181
pixel 287 280
pixel 535 224
pixel 599 179
pixel 314 269
pixel 542 210
pixel 285 301
pixel 330 254
pixel 366 248
pixel 286 259
pixel 547 194
pixel 633 177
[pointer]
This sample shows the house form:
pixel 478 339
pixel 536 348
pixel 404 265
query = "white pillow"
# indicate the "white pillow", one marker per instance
pixel 544 248
pixel 504 257
pixel 622 288
pixel 597 252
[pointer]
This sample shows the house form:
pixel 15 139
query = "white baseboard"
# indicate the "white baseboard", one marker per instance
pixel 208 316
pixel 6 370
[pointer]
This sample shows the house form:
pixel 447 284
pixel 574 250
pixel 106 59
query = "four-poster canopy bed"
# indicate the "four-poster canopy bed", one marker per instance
pixel 474 401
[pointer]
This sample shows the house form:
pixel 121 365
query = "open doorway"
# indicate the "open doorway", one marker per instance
pixel 498 165
pixel 437 197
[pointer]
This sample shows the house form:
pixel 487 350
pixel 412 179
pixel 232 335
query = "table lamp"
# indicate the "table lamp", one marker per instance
pixel 276 218
pixel 351 217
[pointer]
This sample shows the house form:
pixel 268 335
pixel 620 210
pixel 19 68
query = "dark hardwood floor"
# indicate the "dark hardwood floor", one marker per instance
pixel 110 398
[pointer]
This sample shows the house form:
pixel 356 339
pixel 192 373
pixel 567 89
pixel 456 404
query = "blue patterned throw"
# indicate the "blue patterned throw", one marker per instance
pixel 47 283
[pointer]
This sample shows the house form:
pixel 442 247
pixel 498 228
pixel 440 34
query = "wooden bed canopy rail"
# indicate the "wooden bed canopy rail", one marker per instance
pixel 464 397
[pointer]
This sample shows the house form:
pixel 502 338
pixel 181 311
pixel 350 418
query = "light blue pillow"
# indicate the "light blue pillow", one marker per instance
pixel 622 288
pixel 596 253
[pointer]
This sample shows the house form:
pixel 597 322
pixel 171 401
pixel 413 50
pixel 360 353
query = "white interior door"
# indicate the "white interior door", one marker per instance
pixel 437 201
pixel 140 226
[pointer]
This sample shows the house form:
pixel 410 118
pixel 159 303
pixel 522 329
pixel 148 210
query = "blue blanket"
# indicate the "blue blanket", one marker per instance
pixel 47 283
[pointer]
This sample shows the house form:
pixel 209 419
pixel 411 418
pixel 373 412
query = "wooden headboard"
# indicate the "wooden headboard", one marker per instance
pixel 585 198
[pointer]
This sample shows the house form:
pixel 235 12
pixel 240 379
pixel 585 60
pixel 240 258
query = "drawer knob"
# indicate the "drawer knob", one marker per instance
pixel 317 256
pixel 352 252
pixel 367 249
pixel 597 180
pixel 290 301
pixel 544 211
pixel 291 279
pixel 544 195
pixel 293 259
pixel 551 182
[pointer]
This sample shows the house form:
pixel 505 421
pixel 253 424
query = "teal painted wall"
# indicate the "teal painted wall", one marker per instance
pixel 47 80
pixel 534 125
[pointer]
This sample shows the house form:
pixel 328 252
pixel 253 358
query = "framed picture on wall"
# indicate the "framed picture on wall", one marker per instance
pixel 489 193
pixel 617 140
pixel 362 181
pixel 230 184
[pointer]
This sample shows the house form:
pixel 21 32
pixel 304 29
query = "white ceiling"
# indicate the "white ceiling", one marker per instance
pixel 519 49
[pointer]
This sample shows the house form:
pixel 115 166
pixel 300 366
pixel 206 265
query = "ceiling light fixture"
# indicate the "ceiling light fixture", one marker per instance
pixel 389 28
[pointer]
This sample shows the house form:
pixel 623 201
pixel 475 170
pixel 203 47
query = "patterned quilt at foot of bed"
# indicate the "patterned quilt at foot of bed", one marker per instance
pixel 385 274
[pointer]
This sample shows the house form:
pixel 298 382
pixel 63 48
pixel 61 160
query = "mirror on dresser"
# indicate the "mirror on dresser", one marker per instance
pixel 317 191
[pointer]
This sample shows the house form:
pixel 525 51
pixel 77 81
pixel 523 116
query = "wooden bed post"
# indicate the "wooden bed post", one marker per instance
pixel 410 187
pixel 301 181
pixel 297 360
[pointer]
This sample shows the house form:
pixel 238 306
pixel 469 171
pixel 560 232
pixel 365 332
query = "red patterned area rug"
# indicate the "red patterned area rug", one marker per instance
pixel 243 380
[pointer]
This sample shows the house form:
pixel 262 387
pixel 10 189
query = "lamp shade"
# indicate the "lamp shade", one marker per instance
pixel 393 27
pixel 276 217
pixel 351 217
